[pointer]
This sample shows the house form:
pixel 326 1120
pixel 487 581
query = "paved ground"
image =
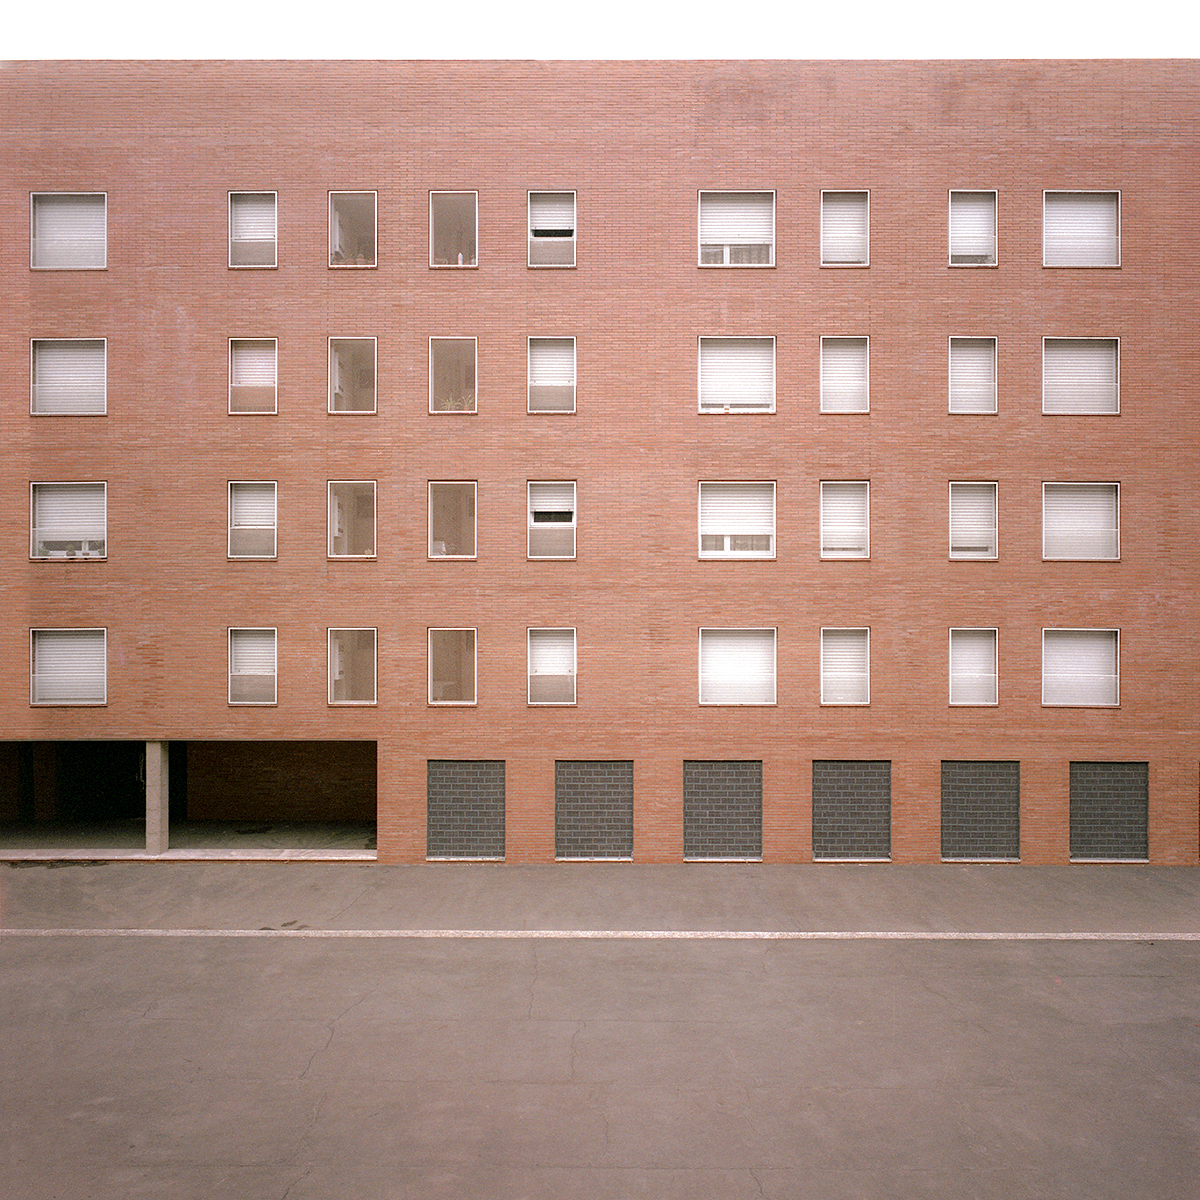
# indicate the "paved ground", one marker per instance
pixel 320 1031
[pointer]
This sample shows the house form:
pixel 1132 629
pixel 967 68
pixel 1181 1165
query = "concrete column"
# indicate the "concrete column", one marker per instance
pixel 157 798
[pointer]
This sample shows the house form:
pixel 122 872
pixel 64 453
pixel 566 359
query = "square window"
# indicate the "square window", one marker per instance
pixel 1081 229
pixel 352 666
pixel 352 375
pixel 68 231
pixel 351 518
pixel 845 229
pixel 551 666
pixel 68 666
pixel 737 229
pixel 552 520
pixel 1079 667
pixel 252 519
pixel 737 520
pixel 845 375
pixel 737 666
pixel 252 374
pixel 252 229
pixel 69 377
pixel 972 375
pixel 252 672
pixel 453 229
pixel 973 520
pixel 551 229
pixel 845 666
pixel 68 520
pixel 845 520
pixel 737 375
pixel 452 363
pixel 452 519
pixel 452 666
pixel 351 229
pixel 551 375
pixel 1081 376
pixel 1081 521
pixel 972 229
pixel 972 666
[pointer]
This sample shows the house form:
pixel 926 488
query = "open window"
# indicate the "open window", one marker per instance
pixel 452 666
pixel 252 670
pixel 737 229
pixel 252 229
pixel 352 375
pixel 551 375
pixel 551 666
pixel 552 520
pixel 452 519
pixel 252 519
pixel 452 364
pixel 453 229
pixel 737 375
pixel 846 519
pixel 252 367
pixel 351 229
pixel 69 377
pixel 68 520
pixel 68 666
pixel 551 229
pixel 352 666
pixel 68 231
pixel 737 520
pixel 351 519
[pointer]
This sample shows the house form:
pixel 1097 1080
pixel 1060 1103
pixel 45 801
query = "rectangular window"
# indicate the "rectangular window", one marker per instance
pixel 845 375
pixel 68 520
pixel 1081 229
pixel 252 374
pixel 737 374
pixel 252 229
pixel 351 518
pixel 1081 376
pixel 972 666
pixel 551 229
pixel 552 375
pixel 69 377
pixel 453 229
pixel 737 666
pixel 737 520
pixel 252 519
pixel 972 229
pixel 352 666
pixel 68 666
pixel 972 375
pixel 452 519
pixel 252 672
pixel 973 520
pixel 552 520
pixel 845 229
pixel 68 231
pixel 845 666
pixel 737 229
pixel 845 520
pixel 1079 667
pixel 452 666
pixel 551 666
pixel 352 375
pixel 1081 520
pixel 351 229
pixel 452 363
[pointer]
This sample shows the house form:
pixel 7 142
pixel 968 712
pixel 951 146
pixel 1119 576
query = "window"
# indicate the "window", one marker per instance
pixel 252 666
pixel 845 375
pixel 1079 667
pixel 68 520
pixel 68 231
pixel 352 666
pixel 452 375
pixel 252 229
pixel 972 229
pixel 1081 520
pixel 737 520
pixel 452 666
pixel 737 666
pixel 351 229
pixel 551 229
pixel 972 666
pixel 1081 376
pixel 351 519
pixel 68 666
pixel 972 520
pixel 352 375
pixel 737 229
pixel 737 374
pixel 552 520
pixel 845 520
pixel 552 375
pixel 252 519
pixel 252 375
pixel 69 377
pixel 845 666
pixel 453 229
pixel 452 519
pixel 1081 229
pixel 845 229
pixel 552 666
pixel 972 375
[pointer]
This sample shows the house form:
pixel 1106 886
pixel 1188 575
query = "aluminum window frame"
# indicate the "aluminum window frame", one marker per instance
pixel 729 410
pixel 821 229
pixel 841 412
pixel 36 703
pixel 34 411
pixel 821 641
pixel 230 631
pixel 574 238
pixel 995 194
pixel 529 673
pixel 773 630
pixel 967 337
pixel 230 485
pixel 1116 634
pixel 951 484
pixel 274 264
pixel 260 412
pixel 1092 412
pixel 454 412
pixel 33 196
pixel 463 266
pixel 1088 483
pixel 329 530
pixel 65 556
pixel 549 412
pixel 737 555
pixel 994 630
pixel 352 266
pixel 350 412
pixel 822 553
pixel 1081 192
pixel 329 632
pixel 474 485
pixel 701 193
pixel 430 630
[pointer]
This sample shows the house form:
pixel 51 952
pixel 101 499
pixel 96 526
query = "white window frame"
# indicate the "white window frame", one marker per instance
pixel 1116 678
pixel 375 668
pixel 974 483
pixel 274 528
pixel 1115 193
pixel 232 629
pixel 700 243
pixel 259 412
pixel 530 633
pixel 865 262
pixel 353 266
pixel 463 266
pixel 995 676
pixel 66 556
pixel 709 630
pixel 33 676
pixel 1116 532
pixel 994 260
pixel 430 631
pixel 1115 342
pixel 726 553
pixel 329 529
pixel 529 356
pixel 729 409
pixel 972 412
pixel 573 239
pixel 573 526
pixel 865 484
pixel 34 343
pixel 845 412
pixel 474 485
pixel 33 265
pixel 352 412
pixel 454 412
pixel 274 263
pixel 846 629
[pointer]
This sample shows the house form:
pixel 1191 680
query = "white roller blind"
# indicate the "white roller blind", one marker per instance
pixel 551 210
pixel 737 666
pixel 552 652
pixel 69 666
pixel 70 377
pixel 737 508
pixel 552 362
pixel 845 375
pixel 737 218
pixel 972 666
pixel 1081 229
pixel 845 666
pixel 252 651
pixel 252 217
pixel 972 520
pixel 972 375
pixel 1079 520
pixel 551 497
pixel 70 232
pixel 972 228
pixel 1079 375
pixel 844 228
pixel 252 363
pixel 69 511
pixel 1079 666
pixel 252 505
pixel 844 520
pixel 737 373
